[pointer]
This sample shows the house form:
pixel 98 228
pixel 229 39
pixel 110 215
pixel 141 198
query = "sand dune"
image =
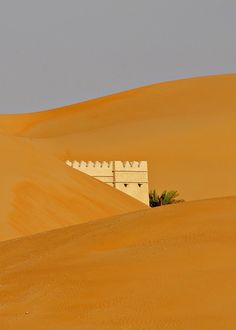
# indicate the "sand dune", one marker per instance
pixel 39 192
pixel 185 129
pixel 138 268
pixel 168 268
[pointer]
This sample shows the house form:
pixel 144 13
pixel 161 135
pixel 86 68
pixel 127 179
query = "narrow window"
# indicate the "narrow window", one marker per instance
pixel 126 185
pixel 140 185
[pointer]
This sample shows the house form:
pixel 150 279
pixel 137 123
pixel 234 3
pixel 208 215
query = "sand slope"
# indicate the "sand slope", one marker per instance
pixel 185 129
pixel 39 192
pixel 168 268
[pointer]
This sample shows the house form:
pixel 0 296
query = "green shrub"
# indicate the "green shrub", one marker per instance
pixel 167 197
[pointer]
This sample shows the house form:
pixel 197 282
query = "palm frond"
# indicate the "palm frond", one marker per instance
pixel 167 197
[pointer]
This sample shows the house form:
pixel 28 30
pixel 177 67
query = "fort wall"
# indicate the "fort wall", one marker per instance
pixel 130 177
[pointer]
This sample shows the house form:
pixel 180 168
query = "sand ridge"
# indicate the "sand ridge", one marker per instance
pixel 39 192
pixel 168 268
pixel 94 258
pixel 185 130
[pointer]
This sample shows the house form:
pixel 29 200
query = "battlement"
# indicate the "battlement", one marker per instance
pixel 89 164
pixel 130 165
pixel 130 177
pixel 93 168
pixel 117 164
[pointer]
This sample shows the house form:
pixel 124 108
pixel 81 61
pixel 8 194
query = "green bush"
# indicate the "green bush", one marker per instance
pixel 167 197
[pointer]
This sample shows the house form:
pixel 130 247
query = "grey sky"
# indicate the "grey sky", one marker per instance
pixel 57 52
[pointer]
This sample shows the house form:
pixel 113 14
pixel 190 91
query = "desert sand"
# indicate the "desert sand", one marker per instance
pixel 39 192
pixel 77 254
pixel 168 268
pixel 185 129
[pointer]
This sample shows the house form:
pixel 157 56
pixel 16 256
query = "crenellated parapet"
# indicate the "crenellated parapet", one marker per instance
pixel 130 165
pixel 119 164
pixel 89 164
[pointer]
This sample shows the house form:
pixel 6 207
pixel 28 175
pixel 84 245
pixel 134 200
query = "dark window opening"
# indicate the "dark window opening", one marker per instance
pixel 126 184
pixel 140 184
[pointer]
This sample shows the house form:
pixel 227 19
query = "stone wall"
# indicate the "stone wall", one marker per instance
pixel 130 177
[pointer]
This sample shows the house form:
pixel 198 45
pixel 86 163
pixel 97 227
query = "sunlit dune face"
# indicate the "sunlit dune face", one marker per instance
pixel 184 129
pixel 40 193
pixel 139 268
pixel 171 268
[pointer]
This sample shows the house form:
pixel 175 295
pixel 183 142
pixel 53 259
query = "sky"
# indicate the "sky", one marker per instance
pixel 59 52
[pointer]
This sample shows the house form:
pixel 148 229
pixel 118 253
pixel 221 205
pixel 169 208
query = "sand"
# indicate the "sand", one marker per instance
pixel 168 268
pixel 185 129
pixel 39 192
pixel 78 254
